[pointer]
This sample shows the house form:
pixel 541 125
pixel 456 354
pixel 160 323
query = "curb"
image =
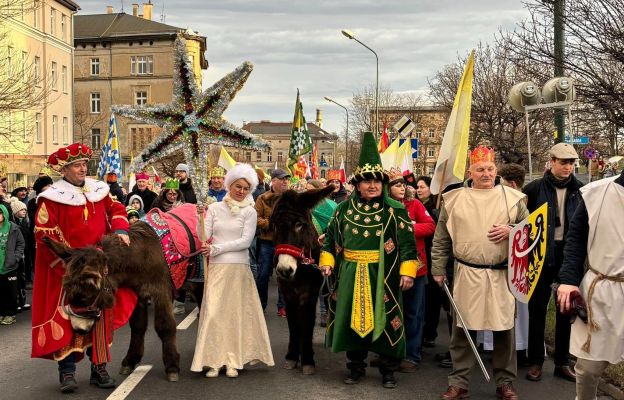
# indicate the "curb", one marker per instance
pixel 610 389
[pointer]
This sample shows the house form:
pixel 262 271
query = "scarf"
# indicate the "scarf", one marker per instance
pixel 556 182
pixel 4 236
pixel 235 206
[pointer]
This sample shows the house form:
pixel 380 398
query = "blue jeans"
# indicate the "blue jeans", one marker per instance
pixel 265 269
pixel 414 312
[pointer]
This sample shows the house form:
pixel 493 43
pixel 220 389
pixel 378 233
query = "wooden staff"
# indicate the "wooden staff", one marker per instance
pixel 202 238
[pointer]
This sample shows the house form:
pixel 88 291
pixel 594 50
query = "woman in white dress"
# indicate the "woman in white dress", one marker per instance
pixel 232 329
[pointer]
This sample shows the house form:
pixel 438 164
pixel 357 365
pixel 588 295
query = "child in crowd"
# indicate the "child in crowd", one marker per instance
pixel 11 251
pixel 133 215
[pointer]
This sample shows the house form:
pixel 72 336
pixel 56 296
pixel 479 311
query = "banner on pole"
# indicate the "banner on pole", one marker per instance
pixel 527 253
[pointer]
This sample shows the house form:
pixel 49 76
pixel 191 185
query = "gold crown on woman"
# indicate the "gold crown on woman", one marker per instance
pixel 482 153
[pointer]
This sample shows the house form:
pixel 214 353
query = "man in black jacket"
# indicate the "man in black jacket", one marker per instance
pixel 186 186
pixel 115 189
pixel 560 189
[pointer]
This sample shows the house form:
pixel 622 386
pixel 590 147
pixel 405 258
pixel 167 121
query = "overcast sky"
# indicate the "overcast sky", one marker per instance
pixel 297 44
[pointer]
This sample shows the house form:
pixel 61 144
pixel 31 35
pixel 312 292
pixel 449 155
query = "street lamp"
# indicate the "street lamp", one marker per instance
pixel 347 33
pixel 346 132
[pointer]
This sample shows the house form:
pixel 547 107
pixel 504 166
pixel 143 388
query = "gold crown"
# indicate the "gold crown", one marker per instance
pixel 482 153
pixel 394 174
pixel 368 171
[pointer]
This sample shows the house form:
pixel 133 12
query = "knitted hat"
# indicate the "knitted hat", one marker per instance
pixel 17 205
pixel 132 212
pixel 182 167
pixel 244 171
pixel 369 166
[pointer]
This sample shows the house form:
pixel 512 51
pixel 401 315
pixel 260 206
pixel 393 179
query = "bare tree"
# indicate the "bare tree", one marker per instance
pixel 594 56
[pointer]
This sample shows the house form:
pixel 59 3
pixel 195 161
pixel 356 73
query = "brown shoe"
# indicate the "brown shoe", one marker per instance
pixel 534 373
pixel 455 393
pixel 408 367
pixel 506 391
pixel 565 372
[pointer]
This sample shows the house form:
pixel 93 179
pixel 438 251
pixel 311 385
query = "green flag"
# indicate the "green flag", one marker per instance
pixel 300 141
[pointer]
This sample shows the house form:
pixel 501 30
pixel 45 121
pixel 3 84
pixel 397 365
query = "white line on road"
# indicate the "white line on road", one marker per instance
pixel 186 322
pixel 130 383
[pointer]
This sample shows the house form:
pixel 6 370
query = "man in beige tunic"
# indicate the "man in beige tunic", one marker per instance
pixel 596 233
pixel 474 224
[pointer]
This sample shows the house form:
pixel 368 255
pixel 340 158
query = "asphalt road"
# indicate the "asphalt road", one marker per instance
pixel 24 378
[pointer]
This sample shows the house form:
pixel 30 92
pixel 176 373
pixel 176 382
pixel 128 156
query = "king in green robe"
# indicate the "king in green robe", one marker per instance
pixel 369 245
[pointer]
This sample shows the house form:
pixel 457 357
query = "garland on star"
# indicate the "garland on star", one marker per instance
pixel 193 120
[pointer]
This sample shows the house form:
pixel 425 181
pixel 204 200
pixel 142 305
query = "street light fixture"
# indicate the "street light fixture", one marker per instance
pixel 346 132
pixel 350 35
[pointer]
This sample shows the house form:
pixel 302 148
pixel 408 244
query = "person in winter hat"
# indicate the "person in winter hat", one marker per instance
pixel 11 251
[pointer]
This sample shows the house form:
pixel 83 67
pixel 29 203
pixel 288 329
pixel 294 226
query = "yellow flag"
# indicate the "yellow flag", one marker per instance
pixel 389 156
pixel 451 164
pixel 225 160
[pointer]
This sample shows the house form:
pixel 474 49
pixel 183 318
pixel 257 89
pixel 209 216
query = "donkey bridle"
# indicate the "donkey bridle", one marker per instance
pixel 93 311
pixel 296 252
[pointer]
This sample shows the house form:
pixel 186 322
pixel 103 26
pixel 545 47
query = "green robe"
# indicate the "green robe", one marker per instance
pixel 383 226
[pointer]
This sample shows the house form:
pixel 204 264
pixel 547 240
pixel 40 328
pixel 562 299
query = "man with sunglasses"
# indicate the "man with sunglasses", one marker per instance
pixel 560 189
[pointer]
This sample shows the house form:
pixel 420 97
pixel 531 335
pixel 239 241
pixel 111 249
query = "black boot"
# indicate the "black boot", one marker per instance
pixel 100 377
pixel 388 381
pixel 68 382
pixel 355 376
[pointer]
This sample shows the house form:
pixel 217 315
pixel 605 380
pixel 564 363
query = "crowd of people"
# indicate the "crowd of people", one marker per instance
pixel 389 242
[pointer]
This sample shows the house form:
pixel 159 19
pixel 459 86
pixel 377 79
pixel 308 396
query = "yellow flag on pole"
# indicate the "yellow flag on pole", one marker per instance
pixel 451 165
pixel 389 156
pixel 225 160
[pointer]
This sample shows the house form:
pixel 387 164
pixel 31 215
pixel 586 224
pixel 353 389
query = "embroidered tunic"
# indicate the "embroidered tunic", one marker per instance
pixel 369 245
pixel 76 217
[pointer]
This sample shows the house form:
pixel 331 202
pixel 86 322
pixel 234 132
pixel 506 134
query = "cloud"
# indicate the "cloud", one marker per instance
pixel 297 44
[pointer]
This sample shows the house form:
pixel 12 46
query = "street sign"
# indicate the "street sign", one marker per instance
pixel 590 153
pixel 578 139
pixel 404 126
pixel 414 146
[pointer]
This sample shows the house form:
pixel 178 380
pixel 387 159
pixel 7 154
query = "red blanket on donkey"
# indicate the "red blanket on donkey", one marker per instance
pixel 177 231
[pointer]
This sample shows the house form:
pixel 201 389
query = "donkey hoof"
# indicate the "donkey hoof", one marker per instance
pixel 290 364
pixel 173 376
pixel 308 370
pixel 125 370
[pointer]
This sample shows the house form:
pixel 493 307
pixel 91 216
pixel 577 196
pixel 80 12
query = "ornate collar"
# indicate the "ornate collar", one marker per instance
pixel 64 192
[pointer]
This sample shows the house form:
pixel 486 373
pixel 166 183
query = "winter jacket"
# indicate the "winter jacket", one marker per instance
pixel 14 249
pixel 217 194
pixel 187 190
pixel 424 227
pixel 264 208
pixel 339 196
pixel 147 196
pixel 541 191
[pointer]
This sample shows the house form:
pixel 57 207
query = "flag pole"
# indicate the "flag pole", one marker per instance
pixel 441 185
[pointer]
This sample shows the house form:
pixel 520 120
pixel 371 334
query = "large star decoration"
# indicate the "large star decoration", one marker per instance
pixel 193 120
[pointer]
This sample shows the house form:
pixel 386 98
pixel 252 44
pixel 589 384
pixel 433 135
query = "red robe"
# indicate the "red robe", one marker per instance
pixel 77 217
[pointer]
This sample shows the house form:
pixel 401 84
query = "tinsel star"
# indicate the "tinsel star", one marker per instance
pixel 193 120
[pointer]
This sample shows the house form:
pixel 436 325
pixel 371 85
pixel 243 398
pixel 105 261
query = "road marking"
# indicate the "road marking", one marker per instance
pixel 130 383
pixel 186 322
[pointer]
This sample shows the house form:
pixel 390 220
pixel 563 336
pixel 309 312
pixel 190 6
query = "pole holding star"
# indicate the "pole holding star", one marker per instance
pixel 193 120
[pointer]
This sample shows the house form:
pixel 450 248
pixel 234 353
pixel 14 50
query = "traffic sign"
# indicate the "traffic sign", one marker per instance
pixel 578 139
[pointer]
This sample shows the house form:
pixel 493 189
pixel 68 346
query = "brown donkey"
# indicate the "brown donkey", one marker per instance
pixel 93 276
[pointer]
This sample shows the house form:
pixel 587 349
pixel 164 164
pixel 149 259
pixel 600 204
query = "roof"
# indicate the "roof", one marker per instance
pixel 69 4
pixel 283 128
pixel 119 25
pixel 412 108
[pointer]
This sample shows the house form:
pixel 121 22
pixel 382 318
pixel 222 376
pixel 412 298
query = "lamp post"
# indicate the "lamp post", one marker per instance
pixel 346 132
pixel 351 35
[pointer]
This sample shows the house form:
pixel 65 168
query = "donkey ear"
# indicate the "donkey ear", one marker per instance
pixel 58 248
pixel 310 198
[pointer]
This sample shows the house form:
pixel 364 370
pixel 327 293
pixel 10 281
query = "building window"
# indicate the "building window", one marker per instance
pixel 248 156
pixel 322 157
pixel 54 129
pixel 430 171
pixel 95 138
pixel 95 103
pixel 65 131
pixel 95 66
pixel 64 78
pixel 24 132
pixel 53 76
pixel 269 156
pixel 141 65
pixel 431 152
pixel 140 98
pixel 258 156
pixel 431 132
pixel 280 156
pixel 63 27
pixel 52 22
pixel 418 133
pixel 23 66
pixel 37 71
pixel 134 139
pixel 38 127
pixel 36 12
